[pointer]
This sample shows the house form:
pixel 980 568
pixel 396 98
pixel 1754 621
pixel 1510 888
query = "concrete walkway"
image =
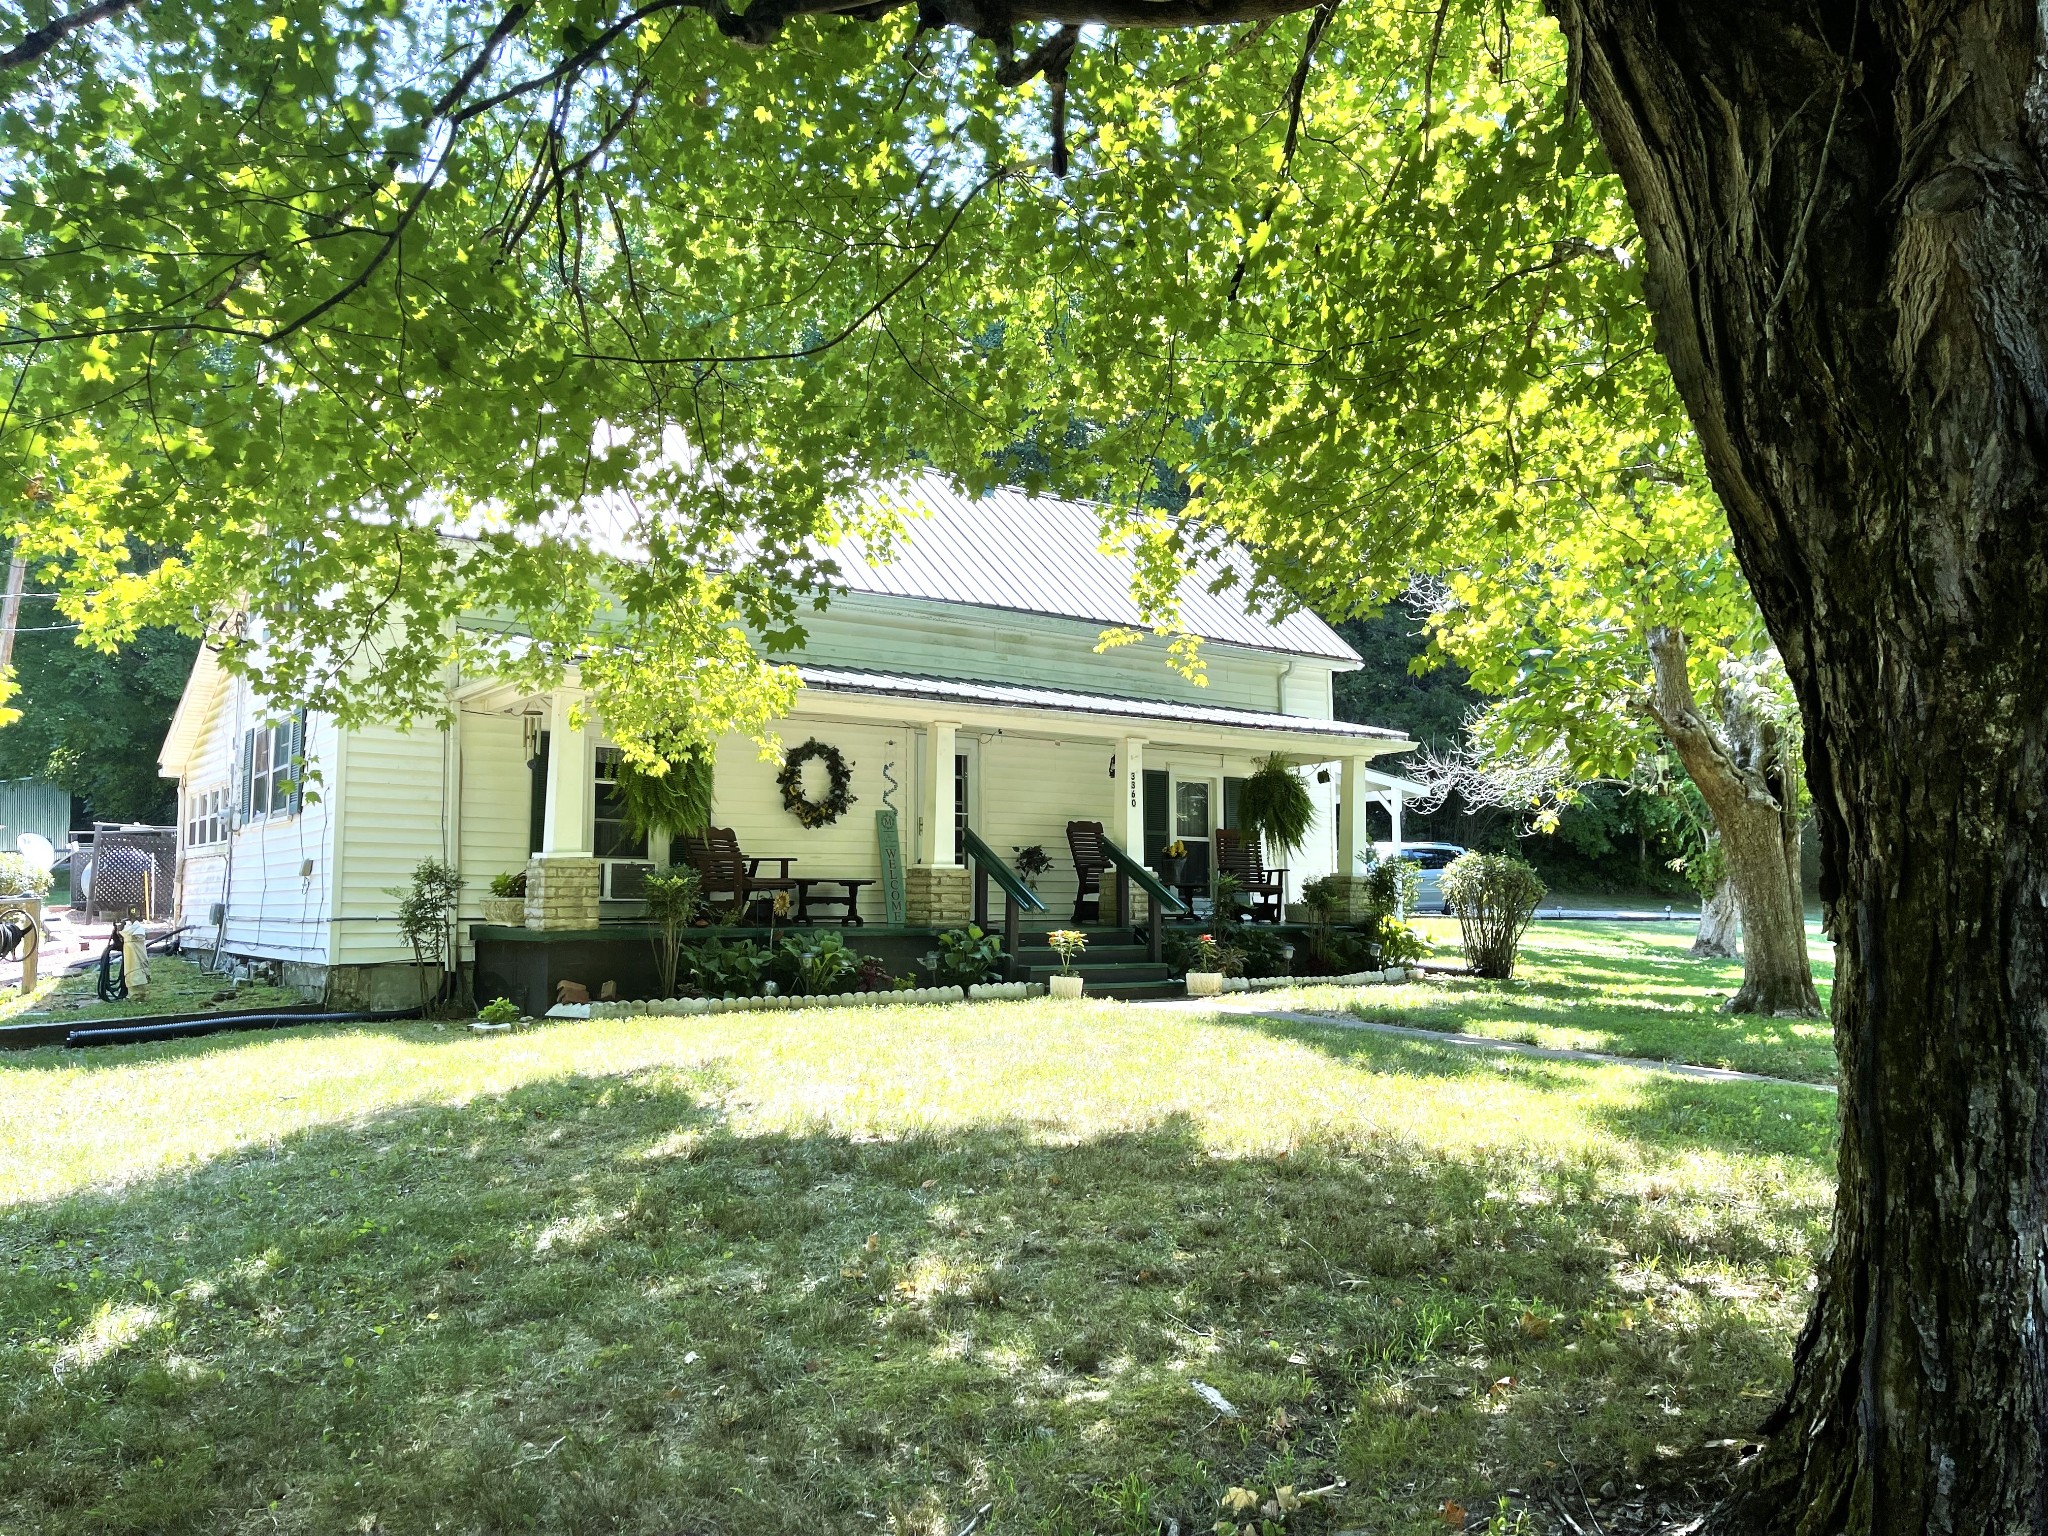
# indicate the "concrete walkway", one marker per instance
pixel 1245 1005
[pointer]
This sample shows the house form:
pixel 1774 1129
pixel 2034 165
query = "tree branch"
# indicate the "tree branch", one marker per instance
pixel 51 33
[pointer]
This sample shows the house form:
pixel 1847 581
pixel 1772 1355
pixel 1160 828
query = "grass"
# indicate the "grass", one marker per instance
pixel 1625 989
pixel 868 1271
pixel 175 986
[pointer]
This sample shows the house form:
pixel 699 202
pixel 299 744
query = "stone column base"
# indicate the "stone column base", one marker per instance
pixel 561 892
pixel 1354 898
pixel 1140 903
pixel 937 895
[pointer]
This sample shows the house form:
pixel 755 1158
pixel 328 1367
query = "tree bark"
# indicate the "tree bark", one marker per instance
pixel 1844 210
pixel 1749 793
pixel 1719 936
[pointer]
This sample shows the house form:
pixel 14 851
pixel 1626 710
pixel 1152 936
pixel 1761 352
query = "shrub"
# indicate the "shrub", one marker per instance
pixel 1494 895
pixel 1275 806
pixel 425 909
pixel 720 969
pixel 818 964
pixel 872 975
pixel 510 884
pixel 18 877
pixel 671 908
pixel 966 957
pixel 1263 951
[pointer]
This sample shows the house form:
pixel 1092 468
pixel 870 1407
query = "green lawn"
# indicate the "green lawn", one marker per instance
pixel 1627 989
pixel 176 986
pixel 867 1271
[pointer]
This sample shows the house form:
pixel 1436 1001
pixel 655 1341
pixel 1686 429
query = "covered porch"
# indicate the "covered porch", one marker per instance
pixel 927 760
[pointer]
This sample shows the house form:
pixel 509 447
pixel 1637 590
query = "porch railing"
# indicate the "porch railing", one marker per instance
pixel 1018 898
pixel 1130 872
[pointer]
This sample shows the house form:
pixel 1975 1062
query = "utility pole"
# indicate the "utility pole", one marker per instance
pixel 10 615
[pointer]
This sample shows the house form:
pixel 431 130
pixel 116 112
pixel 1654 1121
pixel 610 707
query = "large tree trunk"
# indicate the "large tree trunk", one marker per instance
pixel 1845 215
pixel 1754 803
pixel 1719 935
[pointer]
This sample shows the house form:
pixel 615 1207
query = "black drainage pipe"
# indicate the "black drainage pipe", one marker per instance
pixel 151 1030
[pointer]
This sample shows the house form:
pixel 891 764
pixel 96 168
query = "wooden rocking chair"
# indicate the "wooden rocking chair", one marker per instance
pixel 1241 858
pixel 1084 842
pixel 726 877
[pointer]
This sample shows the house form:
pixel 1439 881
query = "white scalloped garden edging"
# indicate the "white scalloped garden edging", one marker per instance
pixel 1354 979
pixel 687 1007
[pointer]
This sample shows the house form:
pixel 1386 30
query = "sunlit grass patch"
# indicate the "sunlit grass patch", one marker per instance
pixel 1622 989
pixel 869 1270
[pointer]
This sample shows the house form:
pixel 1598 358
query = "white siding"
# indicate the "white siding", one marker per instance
pixel 395 786
pixel 986 645
pixel 497 805
pixel 272 873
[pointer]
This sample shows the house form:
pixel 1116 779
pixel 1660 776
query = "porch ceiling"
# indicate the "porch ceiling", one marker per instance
pixel 1070 713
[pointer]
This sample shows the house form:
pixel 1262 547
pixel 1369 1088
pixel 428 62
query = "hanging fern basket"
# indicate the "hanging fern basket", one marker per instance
pixel 675 802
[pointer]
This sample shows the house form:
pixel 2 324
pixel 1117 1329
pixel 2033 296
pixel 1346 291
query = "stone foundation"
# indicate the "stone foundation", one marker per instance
pixel 1354 900
pixel 937 896
pixel 561 893
pixel 1140 903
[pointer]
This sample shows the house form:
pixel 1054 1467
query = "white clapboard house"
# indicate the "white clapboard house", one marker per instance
pixel 961 682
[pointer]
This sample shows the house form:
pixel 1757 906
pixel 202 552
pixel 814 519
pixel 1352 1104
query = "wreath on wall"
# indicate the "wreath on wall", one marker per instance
pixel 815 813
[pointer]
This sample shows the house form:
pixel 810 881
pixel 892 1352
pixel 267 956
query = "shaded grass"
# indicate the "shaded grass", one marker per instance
pixel 1626 989
pixel 176 985
pixel 867 1271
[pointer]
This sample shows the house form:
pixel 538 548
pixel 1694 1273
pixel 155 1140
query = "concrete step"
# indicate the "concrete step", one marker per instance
pixel 1135 971
pixel 1136 991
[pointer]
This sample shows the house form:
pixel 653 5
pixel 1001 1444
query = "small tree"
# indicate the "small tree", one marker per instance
pixel 426 911
pixel 672 901
pixel 1494 895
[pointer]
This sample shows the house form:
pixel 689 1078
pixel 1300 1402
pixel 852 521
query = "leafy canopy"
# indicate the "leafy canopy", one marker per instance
pixel 297 290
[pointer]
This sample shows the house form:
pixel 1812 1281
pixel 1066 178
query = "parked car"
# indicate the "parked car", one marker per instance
pixel 1431 859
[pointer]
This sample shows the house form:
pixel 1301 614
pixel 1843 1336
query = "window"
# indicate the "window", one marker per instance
pixel 612 838
pixel 272 770
pixel 206 816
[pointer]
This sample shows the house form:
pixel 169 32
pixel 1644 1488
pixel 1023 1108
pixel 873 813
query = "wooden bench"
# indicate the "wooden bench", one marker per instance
pixel 729 877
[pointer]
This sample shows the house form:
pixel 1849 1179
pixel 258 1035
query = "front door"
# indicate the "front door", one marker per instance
pixel 1194 823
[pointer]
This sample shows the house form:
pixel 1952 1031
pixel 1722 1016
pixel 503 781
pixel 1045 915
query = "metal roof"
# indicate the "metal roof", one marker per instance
pixel 899 685
pixel 1011 550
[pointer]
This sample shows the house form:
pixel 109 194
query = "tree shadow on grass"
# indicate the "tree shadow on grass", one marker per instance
pixel 595 1304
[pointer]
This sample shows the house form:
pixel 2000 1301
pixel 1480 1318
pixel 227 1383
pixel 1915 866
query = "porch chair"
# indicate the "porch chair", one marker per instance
pixel 1084 842
pixel 1243 859
pixel 725 875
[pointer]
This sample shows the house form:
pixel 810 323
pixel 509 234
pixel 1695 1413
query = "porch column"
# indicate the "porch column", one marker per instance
pixel 1395 802
pixel 1125 825
pixel 936 891
pixel 1354 826
pixel 1354 837
pixel 562 880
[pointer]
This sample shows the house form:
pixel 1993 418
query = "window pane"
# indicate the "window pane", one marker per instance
pixel 1191 808
pixel 259 779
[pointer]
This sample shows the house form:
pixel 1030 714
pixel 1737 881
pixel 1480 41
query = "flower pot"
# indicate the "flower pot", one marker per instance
pixel 505 911
pixel 1168 871
pixel 1066 986
pixel 1205 983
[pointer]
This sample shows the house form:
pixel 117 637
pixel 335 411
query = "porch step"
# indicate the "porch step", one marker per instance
pixel 1134 991
pixel 1137 970
pixel 1035 956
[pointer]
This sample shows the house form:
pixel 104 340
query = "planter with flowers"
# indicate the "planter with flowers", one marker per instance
pixel 1205 972
pixel 506 905
pixel 1167 865
pixel 1066 943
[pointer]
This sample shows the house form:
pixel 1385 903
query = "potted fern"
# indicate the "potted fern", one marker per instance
pixel 1276 807
pixel 1067 943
